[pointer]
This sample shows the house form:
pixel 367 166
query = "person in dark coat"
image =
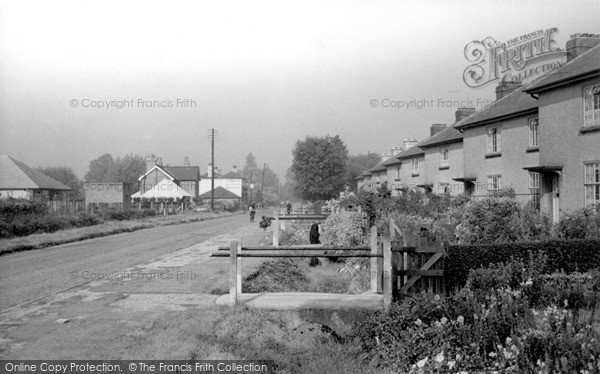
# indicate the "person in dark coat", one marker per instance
pixel 314 239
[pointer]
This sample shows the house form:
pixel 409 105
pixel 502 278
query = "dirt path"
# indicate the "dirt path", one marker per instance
pixel 102 318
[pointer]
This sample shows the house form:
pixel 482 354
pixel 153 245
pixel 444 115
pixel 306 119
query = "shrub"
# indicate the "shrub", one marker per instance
pixel 490 220
pixel 343 229
pixel 579 224
pixel 567 255
pixel 276 276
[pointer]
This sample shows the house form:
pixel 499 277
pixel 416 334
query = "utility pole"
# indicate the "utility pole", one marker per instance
pixel 211 136
pixel 262 185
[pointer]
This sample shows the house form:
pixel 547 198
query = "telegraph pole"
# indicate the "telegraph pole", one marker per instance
pixel 211 136
pixel 262 185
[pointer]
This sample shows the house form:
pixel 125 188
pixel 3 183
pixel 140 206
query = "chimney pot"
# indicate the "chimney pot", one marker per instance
pixel 581 43
pixel 504 88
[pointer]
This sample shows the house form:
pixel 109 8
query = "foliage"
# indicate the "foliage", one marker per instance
pixel 276 276
pixel 579 224
pixel 490 220
pixel 357 164
pixel 490 325
pixel 127 214
pixel 343 229
pixel 28 224
pixel 319 167
pixel 66 176
pixel 106 169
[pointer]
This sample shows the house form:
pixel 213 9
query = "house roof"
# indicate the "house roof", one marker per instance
pixel 232 175
pixel 514 104
pixel 378 168
pixel 581 67
pixel 220 193
pixel 446 136
pixel 184 173
pixel 392 161
pixel 413 151
pixel 16 175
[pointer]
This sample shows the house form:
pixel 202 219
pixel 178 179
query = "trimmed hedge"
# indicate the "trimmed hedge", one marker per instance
pixel 567 255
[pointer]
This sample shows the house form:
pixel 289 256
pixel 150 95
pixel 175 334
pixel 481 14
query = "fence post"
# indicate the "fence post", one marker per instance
pixel 233 271
pixel 387 272
pixel 239 267
pixel 395 262
pixel 406 242
pixel 375 263
pixel 276 230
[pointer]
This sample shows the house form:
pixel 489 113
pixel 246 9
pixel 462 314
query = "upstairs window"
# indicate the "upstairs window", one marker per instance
pixel 414 166
pixel 591 106
pixel 444 157
pixel 533 132
pixel 493 140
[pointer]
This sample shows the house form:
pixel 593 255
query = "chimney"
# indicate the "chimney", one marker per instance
pixel 151 162
pixel 581 43
pixel 186 161
pixel 396 151
pixel 234 169
pixel 462 113
pixel 209 170
pixel 436 127
pixel 504 88
pixel 384 157
pixel 409 142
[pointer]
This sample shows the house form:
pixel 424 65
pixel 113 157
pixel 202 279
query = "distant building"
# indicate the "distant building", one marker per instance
pixel 232 181
pixel 108 195
pixel 186 177
pixel 18 180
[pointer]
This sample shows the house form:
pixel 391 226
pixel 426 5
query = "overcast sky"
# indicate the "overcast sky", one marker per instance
pixel 265 74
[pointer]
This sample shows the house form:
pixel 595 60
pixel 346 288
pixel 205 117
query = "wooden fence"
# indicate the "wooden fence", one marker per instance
pixel 400 264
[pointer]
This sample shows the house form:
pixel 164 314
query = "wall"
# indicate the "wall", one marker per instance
pixel 108 193
pixel 437 175
pixel 514 141
pixel 561 142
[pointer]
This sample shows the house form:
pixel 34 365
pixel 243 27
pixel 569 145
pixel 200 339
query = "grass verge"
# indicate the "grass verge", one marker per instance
pixel 223 333
pixel 38 241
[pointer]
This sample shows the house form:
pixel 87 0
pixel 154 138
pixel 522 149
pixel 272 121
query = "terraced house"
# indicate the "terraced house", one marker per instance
pixel 542 140
pixel 567 130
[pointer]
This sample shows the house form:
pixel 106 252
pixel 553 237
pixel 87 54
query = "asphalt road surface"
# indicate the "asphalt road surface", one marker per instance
pixel 29 275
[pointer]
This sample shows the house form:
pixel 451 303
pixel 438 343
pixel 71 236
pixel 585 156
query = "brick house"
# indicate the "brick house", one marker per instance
pixel 187 177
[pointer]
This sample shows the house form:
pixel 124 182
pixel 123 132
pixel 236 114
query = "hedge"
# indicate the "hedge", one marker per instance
pixel 562 255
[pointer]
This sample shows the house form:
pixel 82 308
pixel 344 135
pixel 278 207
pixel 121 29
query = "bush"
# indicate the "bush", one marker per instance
pixel 566 255
pixel 343 229
pixel 276 276
pixel 488 326
pixel 579 224
pixel 490 220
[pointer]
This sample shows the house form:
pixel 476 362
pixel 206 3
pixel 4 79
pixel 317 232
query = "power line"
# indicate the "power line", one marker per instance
pixel 212 133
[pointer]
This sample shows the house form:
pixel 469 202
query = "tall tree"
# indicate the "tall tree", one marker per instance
pixel 319 167
pixel 358 164
pixel 127 169
pixel 66 176
pixel 99 169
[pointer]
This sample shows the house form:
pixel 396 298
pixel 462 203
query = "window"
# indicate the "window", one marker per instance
pixel 591 183
pixel 534 189
pixel 398 172
pixel 533 132
pixel 494 183
pixel 445 157
pixel 591 106
pixel 414 166
pixel 493 140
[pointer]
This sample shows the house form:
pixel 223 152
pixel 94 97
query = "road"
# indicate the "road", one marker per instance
pixel 29 275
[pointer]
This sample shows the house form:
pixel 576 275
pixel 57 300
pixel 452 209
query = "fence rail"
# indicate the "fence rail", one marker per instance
pixel 401 263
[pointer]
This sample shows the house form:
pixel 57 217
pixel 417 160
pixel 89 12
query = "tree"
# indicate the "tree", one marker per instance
pixel 66 176
pixel 359 164
pixel 319 166
pixel 99 169
pixel 127 169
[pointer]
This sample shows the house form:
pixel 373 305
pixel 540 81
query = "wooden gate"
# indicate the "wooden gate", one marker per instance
pixel 419 260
